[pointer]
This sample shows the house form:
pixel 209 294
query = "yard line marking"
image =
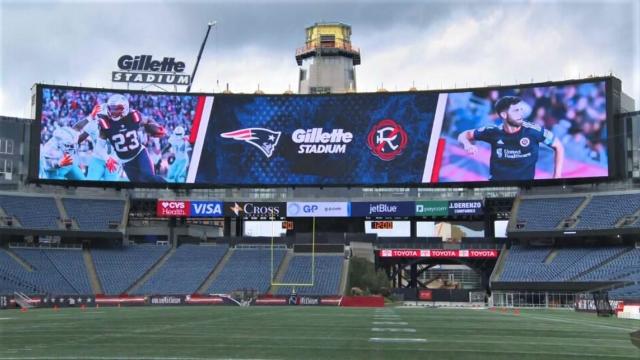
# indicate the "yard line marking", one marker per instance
pixel 390 323
pixel 124 358
pixel 6 318
pixel 397 340
pixel 574 322
pixel 393 329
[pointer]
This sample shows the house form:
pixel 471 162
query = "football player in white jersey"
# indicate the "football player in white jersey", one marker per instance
pixel 179 143
pixel 59 156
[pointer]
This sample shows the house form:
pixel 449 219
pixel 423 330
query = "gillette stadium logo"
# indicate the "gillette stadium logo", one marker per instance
pixel 317 141
pixel 387 140
pixel 143 69
pixel 264 139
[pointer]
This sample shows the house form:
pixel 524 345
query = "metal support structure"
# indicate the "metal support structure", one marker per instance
pixel 195 68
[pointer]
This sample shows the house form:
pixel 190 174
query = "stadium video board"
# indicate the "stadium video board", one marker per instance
pixel 488 136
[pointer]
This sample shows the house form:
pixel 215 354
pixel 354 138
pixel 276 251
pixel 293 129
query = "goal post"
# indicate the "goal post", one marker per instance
pixel 313 258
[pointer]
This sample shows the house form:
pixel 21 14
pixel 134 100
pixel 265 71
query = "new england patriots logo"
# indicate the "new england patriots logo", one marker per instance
pixel 264 139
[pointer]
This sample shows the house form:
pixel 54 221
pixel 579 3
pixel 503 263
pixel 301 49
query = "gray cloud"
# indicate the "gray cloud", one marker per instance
pixel 434 44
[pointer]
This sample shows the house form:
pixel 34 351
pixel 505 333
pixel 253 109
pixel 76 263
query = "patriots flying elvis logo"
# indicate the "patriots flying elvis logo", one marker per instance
pixel 264 139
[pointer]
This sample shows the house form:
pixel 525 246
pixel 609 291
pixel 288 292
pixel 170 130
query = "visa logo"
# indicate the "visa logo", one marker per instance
pixel 206 208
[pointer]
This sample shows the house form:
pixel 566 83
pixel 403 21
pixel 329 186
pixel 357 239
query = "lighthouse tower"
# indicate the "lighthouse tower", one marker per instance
pixel 327 61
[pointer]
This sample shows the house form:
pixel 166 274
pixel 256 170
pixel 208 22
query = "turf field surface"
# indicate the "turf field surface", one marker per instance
pixel 210 332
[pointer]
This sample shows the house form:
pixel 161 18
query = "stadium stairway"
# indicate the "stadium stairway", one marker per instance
pixel 363 250
pixel 282 270
pixel 19 260
pixel 497 270
pixel 125 215
pixel 151 271
pixel 202 289
pixel 15 221
pixel 612 258
pixel 94 280
pixel 622 222
pixel 604 263
pixel 64 215
pixel 576 214
pixel 552 255
pixel 344 279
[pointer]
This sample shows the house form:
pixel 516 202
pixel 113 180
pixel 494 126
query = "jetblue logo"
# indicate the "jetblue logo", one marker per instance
pixel 206 209
pixel 382 208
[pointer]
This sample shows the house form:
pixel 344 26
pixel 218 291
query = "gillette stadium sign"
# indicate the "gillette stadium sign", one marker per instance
pixel 144 69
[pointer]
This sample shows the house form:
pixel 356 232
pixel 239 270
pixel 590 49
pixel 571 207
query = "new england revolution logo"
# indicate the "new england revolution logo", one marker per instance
pixel 264 139
pixel 387 140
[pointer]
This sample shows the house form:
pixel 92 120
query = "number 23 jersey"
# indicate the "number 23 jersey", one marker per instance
pixel 123 134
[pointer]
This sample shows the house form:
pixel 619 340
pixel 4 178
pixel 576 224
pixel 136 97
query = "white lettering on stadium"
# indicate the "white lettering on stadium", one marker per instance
pixel 166 300
pixel 209 209
pixel 382 208
pixel 251 209
pixel 316 141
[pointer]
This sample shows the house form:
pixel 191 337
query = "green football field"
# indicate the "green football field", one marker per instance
pixel 210 332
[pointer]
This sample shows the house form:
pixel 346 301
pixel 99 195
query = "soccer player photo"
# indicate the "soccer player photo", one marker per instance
pixel 91 135
pixel 515 144
pixel 524 134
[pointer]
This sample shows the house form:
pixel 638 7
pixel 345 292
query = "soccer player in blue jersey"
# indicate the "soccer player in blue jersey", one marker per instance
pixel 515 145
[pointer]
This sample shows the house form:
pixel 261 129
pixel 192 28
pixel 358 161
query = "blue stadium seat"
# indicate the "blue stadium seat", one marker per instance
pixel 185 270
pixel 529 264
pixel 94 215
pixel 118 269
pixel 247 269
pixel 55 271
pixel 604 211
pixel 326 279
pixel 623 267
pixel 546 213
pixel 32 212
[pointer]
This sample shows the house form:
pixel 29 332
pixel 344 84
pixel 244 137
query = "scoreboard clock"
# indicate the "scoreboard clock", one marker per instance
pixel 382 225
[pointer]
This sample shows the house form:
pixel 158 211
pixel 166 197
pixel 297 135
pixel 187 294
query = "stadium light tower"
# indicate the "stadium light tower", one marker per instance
pixel 327 61
pixel 195 68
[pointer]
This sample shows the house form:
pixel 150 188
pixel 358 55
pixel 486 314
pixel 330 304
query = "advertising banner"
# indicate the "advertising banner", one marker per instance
pixel 432 208
pixel 383 209
pixel 485 135
pixel 261 210
pixel 448 208
pixel 173 208
pixel 318 209
pixel 211 209
pixel 465 207
pixel 166 300
pixel 438 253
pixel 206 209
pixel 425 295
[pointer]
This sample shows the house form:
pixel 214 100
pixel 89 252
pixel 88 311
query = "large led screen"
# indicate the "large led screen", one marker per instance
pixel 97 135
pixel 551 132
pixel 480 136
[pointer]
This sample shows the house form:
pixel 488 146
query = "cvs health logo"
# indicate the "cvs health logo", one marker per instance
pixel 387 140
pixel 172 208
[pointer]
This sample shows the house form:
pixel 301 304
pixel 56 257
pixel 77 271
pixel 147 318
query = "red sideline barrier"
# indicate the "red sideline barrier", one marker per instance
pixel 121 299
pixel 363 301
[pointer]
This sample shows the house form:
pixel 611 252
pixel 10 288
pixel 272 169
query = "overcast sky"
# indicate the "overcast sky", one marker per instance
pixel 432 44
